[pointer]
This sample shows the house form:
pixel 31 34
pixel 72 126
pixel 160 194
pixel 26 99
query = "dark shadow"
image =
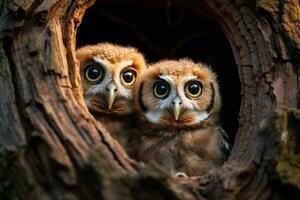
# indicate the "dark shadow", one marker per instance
pixel 168 31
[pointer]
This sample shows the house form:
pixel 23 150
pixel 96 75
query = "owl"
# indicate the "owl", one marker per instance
pixel 177 103
pixel 108 74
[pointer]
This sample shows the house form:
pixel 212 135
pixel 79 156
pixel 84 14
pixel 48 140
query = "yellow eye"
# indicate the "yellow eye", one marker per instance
pixel 94 73
pixel 161 89
pixel 193 89
pixel 128 77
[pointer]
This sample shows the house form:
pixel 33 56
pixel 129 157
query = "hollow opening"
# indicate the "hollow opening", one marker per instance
pixel 165 29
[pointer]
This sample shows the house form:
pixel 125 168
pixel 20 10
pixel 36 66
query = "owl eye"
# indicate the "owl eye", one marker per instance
pixel 161 89
pixel 128 77
pixel 193 89
pixel 94 72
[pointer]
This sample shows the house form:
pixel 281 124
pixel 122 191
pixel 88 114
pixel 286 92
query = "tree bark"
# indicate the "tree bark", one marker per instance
pixel 52 148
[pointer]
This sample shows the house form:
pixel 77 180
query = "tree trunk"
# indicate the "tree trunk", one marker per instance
pixel 52 148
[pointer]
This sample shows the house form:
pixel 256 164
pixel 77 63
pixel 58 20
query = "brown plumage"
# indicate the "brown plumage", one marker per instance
pixel 108 74
pixel 178 103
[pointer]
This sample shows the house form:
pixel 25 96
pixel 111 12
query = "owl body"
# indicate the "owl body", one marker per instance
pixel 177 103
pixel 108 74
pixel 193 152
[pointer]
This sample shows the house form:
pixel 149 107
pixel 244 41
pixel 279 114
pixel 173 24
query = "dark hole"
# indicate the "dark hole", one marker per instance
pixel 163 29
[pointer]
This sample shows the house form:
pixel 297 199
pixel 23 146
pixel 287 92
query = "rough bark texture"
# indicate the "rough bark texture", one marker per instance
pixel 52 148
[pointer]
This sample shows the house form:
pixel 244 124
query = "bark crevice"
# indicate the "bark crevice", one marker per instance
pixel 26 126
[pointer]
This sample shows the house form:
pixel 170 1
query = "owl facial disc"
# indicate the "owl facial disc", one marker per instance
pixel 178 93
pixel 108 74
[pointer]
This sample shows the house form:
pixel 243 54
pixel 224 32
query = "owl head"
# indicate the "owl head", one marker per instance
pixel 180 94
pixel 108 74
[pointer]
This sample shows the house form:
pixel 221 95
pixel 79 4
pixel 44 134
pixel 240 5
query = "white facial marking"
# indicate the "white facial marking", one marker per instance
pixel 125 63
pixel 202 116
pixel 100 60
pixel 100 88
pixel 186 102
pixel 122 91
pixel 153 117
pixel 167 103
pixel 166 78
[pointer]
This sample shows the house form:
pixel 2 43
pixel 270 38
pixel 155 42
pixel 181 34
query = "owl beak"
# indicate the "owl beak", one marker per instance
pixel 111 95
pixel 111 98
pixel 176 108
